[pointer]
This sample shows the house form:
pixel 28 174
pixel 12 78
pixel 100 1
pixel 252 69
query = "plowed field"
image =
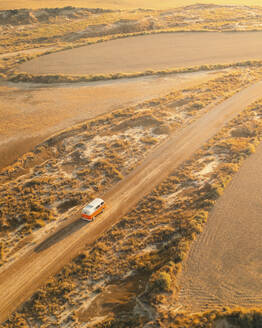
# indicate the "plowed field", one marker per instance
pixel 224 264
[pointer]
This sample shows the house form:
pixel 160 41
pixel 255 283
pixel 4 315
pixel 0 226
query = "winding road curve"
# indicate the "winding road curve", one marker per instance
pixel 19 281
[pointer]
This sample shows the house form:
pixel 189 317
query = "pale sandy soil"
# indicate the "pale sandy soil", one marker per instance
pixel 159 51
pixel 224 263
pixel 21 278
pixel 28 113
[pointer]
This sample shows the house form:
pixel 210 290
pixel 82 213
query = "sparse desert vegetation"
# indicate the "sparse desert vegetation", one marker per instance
pixel 74 166
pixel 240 318
pixel 153 239
pixel 128 277
pixel 30 33
pixel 42 110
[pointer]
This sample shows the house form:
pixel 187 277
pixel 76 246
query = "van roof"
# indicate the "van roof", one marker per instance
pixel 94 203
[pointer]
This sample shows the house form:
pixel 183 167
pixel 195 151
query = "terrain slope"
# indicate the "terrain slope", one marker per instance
pixel 151 52
pixel 23 277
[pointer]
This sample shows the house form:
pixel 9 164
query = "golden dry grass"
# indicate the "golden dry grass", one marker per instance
pixel 154 238
pixel 239 317
pixel 38 32
pixel 72 167
pixel 63 78
pixel 148 123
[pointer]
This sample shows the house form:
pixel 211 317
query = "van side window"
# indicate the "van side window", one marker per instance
pixel 97 206
pixel 102 203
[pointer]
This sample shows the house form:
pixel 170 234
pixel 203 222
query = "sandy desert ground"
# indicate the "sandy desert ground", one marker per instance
pixel 224 263
pixel 160 150
pixel 157 52
pixel 21 278
pixel 33 112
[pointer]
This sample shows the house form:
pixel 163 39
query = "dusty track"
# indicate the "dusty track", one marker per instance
pixel 159 51
pixel 224 263
pixel 23 277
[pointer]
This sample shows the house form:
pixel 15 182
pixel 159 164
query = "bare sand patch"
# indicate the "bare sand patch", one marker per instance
pixel 224 263
pixel 158 51
pixel 28 113
pixel 118 297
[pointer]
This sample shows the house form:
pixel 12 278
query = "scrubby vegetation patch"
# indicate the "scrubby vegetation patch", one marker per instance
pixel 70 168
pixel 153 239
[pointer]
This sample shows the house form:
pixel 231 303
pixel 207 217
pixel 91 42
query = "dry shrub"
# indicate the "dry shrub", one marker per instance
pixel 162 129
pixel 243 132
pixel 67 204
pixel 108 169
pixel 161 281
pixel 137 121
pixel 239 317
pixel 149 140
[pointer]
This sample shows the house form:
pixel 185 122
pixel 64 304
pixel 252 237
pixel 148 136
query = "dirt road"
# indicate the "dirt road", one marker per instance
pixel 29 113
pixel 23 277
pixel 151 52
pixel 224 263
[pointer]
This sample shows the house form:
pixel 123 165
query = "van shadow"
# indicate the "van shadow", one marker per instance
pixel 61 234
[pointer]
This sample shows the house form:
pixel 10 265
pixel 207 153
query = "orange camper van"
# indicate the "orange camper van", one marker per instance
pixel 93 209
